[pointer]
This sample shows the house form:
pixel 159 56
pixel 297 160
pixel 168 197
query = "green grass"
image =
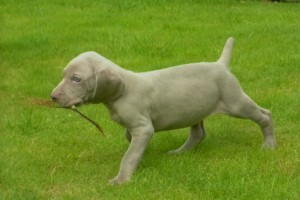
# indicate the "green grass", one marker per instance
pixel 48 153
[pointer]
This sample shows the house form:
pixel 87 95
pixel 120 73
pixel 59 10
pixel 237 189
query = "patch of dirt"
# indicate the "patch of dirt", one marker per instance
pixel 43 102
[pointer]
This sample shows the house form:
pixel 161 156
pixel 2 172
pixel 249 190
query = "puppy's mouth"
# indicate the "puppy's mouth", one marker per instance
pixel 75 102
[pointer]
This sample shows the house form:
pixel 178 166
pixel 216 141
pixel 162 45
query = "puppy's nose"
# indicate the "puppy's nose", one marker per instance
pixel 54 97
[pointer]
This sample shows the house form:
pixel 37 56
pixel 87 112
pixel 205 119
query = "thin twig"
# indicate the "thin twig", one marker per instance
pixel 85 117
pixel 50 104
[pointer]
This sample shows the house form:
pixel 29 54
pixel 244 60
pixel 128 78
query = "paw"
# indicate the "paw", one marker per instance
pixel 117 181
pixel 269 145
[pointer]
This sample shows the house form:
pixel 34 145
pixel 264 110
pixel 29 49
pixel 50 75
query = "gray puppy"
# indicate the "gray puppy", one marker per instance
pixel 172 98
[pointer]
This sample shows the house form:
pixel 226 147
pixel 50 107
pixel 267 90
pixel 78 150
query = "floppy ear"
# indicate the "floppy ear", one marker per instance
pixel 109 85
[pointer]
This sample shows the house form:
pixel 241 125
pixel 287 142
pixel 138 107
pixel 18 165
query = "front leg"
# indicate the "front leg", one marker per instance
pixel 139 141
pixel 128 135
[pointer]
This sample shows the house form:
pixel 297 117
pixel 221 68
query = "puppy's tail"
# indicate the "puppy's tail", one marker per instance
pixel 226 54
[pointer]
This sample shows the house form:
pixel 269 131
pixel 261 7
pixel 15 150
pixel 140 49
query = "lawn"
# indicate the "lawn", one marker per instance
pixel 48 153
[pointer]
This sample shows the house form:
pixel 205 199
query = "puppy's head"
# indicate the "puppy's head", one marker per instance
pixel 88 78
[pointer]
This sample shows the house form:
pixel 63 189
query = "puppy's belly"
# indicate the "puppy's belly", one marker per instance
pixel 180 122
pixel 171 117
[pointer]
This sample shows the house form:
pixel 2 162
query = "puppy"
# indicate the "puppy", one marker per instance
pixel 171 98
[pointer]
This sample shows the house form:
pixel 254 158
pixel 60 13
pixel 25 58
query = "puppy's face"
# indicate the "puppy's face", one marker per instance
pixel 88 78
pixel 77 86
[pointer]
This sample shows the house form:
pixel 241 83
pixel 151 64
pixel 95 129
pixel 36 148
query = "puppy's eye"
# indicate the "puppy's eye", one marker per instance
pixel 76 79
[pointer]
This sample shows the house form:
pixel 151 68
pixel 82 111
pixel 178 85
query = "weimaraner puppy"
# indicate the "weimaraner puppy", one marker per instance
pixel 171 98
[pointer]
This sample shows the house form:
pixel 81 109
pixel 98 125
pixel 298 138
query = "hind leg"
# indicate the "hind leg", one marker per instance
pixel 247 109
pixel 197 134
pixel 267 129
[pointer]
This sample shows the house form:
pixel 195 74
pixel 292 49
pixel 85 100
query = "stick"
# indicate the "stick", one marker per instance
pixel 85 117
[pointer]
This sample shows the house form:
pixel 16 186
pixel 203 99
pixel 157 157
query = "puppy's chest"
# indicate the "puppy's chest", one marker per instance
pixel 116 115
